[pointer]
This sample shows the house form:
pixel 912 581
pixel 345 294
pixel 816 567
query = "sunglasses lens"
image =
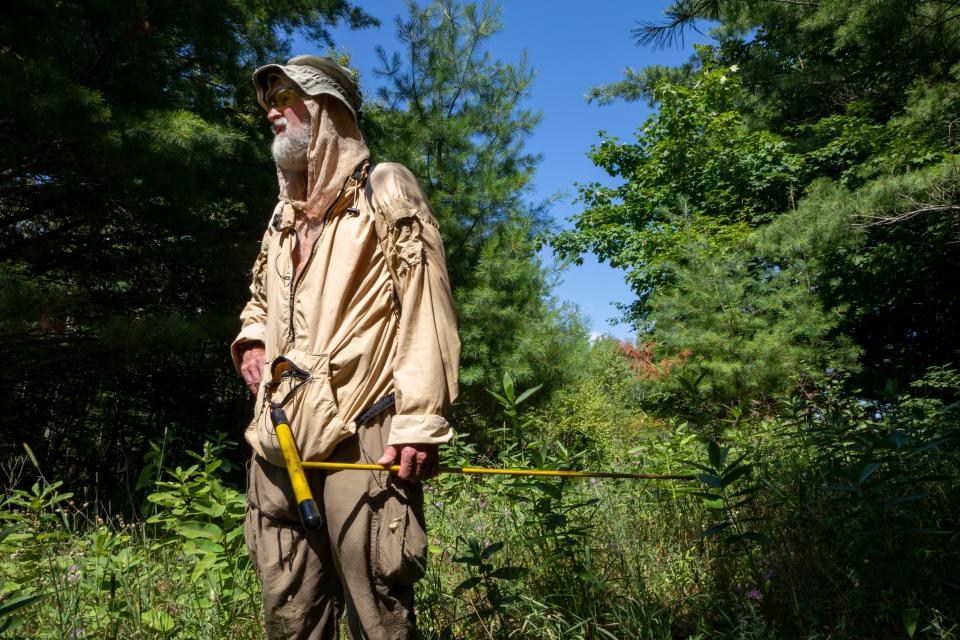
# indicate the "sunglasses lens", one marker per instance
pixel 283 99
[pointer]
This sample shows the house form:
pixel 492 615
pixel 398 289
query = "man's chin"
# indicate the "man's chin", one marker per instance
pixel 288 164
pixel 287 154
pixel 299 168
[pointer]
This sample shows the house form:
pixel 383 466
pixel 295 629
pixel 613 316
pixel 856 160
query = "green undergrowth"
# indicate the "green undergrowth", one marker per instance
pixel 70 570
pixel 837 520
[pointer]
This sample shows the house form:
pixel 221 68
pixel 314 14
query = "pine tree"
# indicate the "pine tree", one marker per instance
pixel 454 115
pixel 749 321
pixel 134 185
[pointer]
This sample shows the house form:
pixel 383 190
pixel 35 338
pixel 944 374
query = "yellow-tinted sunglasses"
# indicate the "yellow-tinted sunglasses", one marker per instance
pixel 282 98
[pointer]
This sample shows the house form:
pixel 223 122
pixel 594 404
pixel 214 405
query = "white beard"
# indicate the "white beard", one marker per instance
pixel 291 146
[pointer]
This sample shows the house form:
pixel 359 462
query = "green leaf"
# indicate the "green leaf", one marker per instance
pixel 710 480
pixel 469 583
pixel 697 465
pixel 867 471
pixel 714 530
pixel 192 529
pixel 526 394
pixel 707 495
pixel 838 486
pixel 730 467
pixel 490 550
pixel 8 532
pixel 203 545
pixel 898 438
pixel 717 454
pixel 158 620
pixel 499 398
pixel 214 510
pixel 33 458
pixel 927 447
pixel 910 619
pixel 204 564
pixel 509 573
pixel 759 538
pixel 18 602
pixel 732 476
pixel 906 499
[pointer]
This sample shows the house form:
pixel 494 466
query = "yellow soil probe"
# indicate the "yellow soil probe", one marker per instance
pixel 335 466
pixel 307 506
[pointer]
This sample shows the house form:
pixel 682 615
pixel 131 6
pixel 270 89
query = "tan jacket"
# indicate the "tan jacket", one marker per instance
pixel 341 322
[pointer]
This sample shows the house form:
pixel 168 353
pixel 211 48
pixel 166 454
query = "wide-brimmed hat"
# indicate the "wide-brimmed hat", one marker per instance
pixel 314 75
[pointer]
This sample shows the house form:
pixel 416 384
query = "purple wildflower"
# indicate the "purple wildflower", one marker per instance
pixel 755 595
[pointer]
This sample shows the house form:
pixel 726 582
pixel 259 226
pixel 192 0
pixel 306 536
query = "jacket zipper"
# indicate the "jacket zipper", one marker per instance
pixel 295 279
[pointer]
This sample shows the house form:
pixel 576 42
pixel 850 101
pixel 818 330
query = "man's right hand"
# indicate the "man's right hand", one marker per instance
pixel 251 367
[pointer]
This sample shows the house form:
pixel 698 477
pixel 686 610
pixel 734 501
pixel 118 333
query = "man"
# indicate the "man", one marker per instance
pixel 350 288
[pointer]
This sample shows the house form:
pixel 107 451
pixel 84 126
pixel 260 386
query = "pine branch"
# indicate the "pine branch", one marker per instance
pixel 680 16
pixel 883 220
pixel 685 14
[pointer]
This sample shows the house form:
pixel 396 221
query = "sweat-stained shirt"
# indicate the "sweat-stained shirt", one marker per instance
pixel 342 321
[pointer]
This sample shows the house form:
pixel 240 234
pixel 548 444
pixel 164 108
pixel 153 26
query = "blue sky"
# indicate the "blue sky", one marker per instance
pixel 572 46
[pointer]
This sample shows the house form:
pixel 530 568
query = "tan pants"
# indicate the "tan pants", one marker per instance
pixel 365 557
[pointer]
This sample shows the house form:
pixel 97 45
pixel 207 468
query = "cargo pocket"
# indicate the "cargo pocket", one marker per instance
pixel 399 534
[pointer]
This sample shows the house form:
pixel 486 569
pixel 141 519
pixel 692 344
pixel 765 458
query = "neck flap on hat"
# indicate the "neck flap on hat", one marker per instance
pixel 336 149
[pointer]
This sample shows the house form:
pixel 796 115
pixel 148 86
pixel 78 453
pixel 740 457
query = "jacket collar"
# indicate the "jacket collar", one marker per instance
pixel 284 215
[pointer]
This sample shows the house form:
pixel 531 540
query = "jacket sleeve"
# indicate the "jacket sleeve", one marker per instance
pixel 427 358
pixel 253 318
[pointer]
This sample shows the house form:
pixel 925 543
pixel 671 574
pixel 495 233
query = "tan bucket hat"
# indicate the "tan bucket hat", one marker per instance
pixel 314 75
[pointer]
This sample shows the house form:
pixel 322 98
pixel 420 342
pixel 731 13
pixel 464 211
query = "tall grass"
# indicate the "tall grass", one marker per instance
pixel 835 521
pixel 81 572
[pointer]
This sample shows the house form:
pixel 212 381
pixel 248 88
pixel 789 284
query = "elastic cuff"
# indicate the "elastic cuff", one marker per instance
pixel 419 429
pixel 250 333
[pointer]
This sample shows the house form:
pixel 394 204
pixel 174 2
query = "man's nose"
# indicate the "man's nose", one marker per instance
pixel 273 114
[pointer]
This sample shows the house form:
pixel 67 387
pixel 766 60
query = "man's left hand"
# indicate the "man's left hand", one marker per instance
pixel 417 461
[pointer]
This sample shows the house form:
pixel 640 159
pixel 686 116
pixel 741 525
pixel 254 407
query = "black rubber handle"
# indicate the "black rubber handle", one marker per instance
pixel 310 515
